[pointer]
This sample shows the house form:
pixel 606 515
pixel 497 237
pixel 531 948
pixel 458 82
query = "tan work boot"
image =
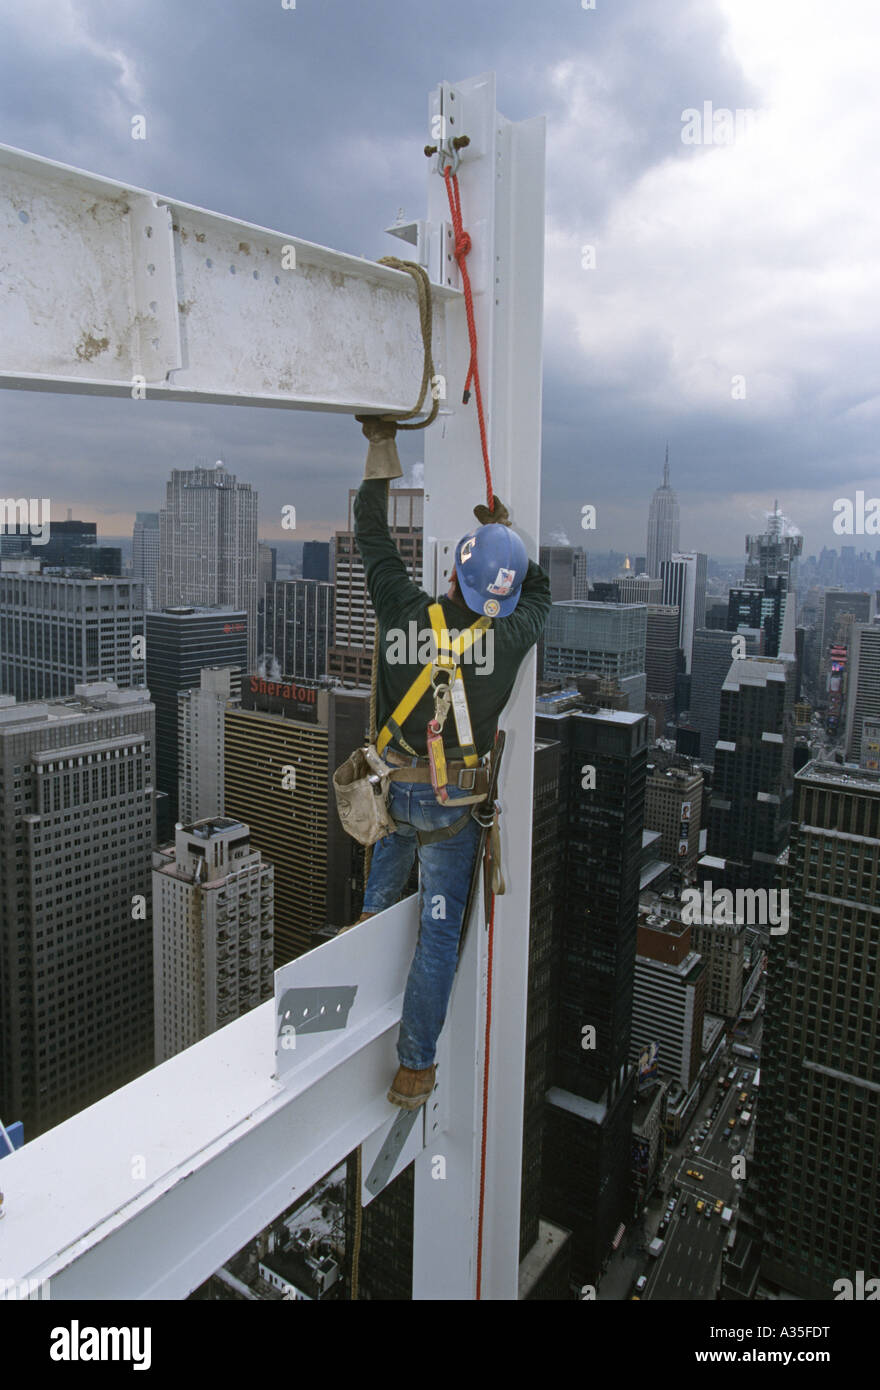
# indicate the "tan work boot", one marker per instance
pixel 410 1089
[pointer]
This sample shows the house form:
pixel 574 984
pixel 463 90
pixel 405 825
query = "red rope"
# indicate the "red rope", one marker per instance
pixel 462 247
pixel 485 1101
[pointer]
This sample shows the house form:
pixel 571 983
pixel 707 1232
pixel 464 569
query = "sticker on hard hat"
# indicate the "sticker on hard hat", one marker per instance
pixel 467 549
pixel 503 582
pixel 491 607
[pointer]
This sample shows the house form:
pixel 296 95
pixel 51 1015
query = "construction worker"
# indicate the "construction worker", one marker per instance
pixel 495 582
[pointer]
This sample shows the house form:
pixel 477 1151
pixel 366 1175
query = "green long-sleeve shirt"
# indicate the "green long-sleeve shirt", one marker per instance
pixel 398 601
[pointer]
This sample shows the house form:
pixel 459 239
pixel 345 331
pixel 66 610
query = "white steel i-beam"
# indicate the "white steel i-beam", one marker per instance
pixel 107 289
pixel 234 1129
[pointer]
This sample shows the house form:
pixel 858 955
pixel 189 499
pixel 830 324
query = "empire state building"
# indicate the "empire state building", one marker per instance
pixel 662 525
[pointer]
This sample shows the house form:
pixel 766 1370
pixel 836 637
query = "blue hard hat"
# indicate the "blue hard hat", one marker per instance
pixel 491 564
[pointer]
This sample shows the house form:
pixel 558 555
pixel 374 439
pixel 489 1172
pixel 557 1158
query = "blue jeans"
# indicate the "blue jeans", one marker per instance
pixel 445 874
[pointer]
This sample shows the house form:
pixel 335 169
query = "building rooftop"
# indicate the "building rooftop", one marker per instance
pixel 835 774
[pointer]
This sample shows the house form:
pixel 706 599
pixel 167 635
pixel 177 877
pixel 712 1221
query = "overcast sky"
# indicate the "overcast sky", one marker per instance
pixel 755 259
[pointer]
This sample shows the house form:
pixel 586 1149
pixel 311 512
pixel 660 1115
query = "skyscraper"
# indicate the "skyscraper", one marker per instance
pixel 712 656
pixel 663 525
pixel 606 638
pixel 750 806
pixel 298 628
pixel 145 556
pixel 351 654
pixel 674 806
pixel 316 560
pixel 684 585
pixel 208 545
pixel 810 1206
pixel 179 643
pixel 59 631
pixel 200 730
pixel 774 551
pixel 863 701
pixel 566 566
pixel 212 932
pixel 588 1118
pixel 278 784
pixel 76 830
pixel 661 663
pixel 760 608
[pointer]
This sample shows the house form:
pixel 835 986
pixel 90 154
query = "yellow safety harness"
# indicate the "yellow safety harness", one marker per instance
pixel 443 676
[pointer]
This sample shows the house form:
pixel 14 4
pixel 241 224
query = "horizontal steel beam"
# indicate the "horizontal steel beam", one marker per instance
pixel 107 289
pixel 146 1193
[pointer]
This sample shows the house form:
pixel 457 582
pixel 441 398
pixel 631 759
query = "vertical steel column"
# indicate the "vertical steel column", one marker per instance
pixel 502 191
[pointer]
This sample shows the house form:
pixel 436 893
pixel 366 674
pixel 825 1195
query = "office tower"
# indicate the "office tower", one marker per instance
pixel 750 806
pixel 836 604
pixel 813 1189
pixel 716 613
pixel 663 525
pixel 587 1146
pixel 351 655
pixel 722 946
pixel 145 556
pixel 773 552
pixel 751 607
pixel 208 545
pixel 298 628
pixel 674 806
pixel 277 783
pixel 684 585
pixel 566 566
pixel 76 830
pixel 387 1223
pixel 58 631
pixel 605 638
pixel 212 932
pixel 200 728
pixel 267 564
pixel 661 664
pixel 712 656
pixel 348 728
pixel 669 996
pixel 316 560
pixel 863 696
pixel 65 537
pixel 179 643
pixel 638 588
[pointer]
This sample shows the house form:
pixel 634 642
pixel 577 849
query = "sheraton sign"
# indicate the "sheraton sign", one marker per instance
pixel 280 697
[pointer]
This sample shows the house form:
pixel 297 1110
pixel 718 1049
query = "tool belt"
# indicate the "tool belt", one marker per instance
pixel 362 784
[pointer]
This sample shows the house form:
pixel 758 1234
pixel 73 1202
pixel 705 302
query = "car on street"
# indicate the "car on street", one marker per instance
pixel 701 1206
pixel 719 1207
pixel 695 1173
pixel 641 1283
pixel 684 1210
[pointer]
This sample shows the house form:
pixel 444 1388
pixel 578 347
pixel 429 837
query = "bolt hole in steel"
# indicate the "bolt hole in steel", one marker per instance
pixel 277 280
pixel 155 342
pixel 23 217
pixel 148 231
pixel 256 274
pixel 232 270
pixel 153 306
pixel 208 262
pixel 151 269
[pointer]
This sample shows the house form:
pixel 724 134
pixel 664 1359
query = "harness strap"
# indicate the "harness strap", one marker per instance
pixel 448 654
pixel 427 837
